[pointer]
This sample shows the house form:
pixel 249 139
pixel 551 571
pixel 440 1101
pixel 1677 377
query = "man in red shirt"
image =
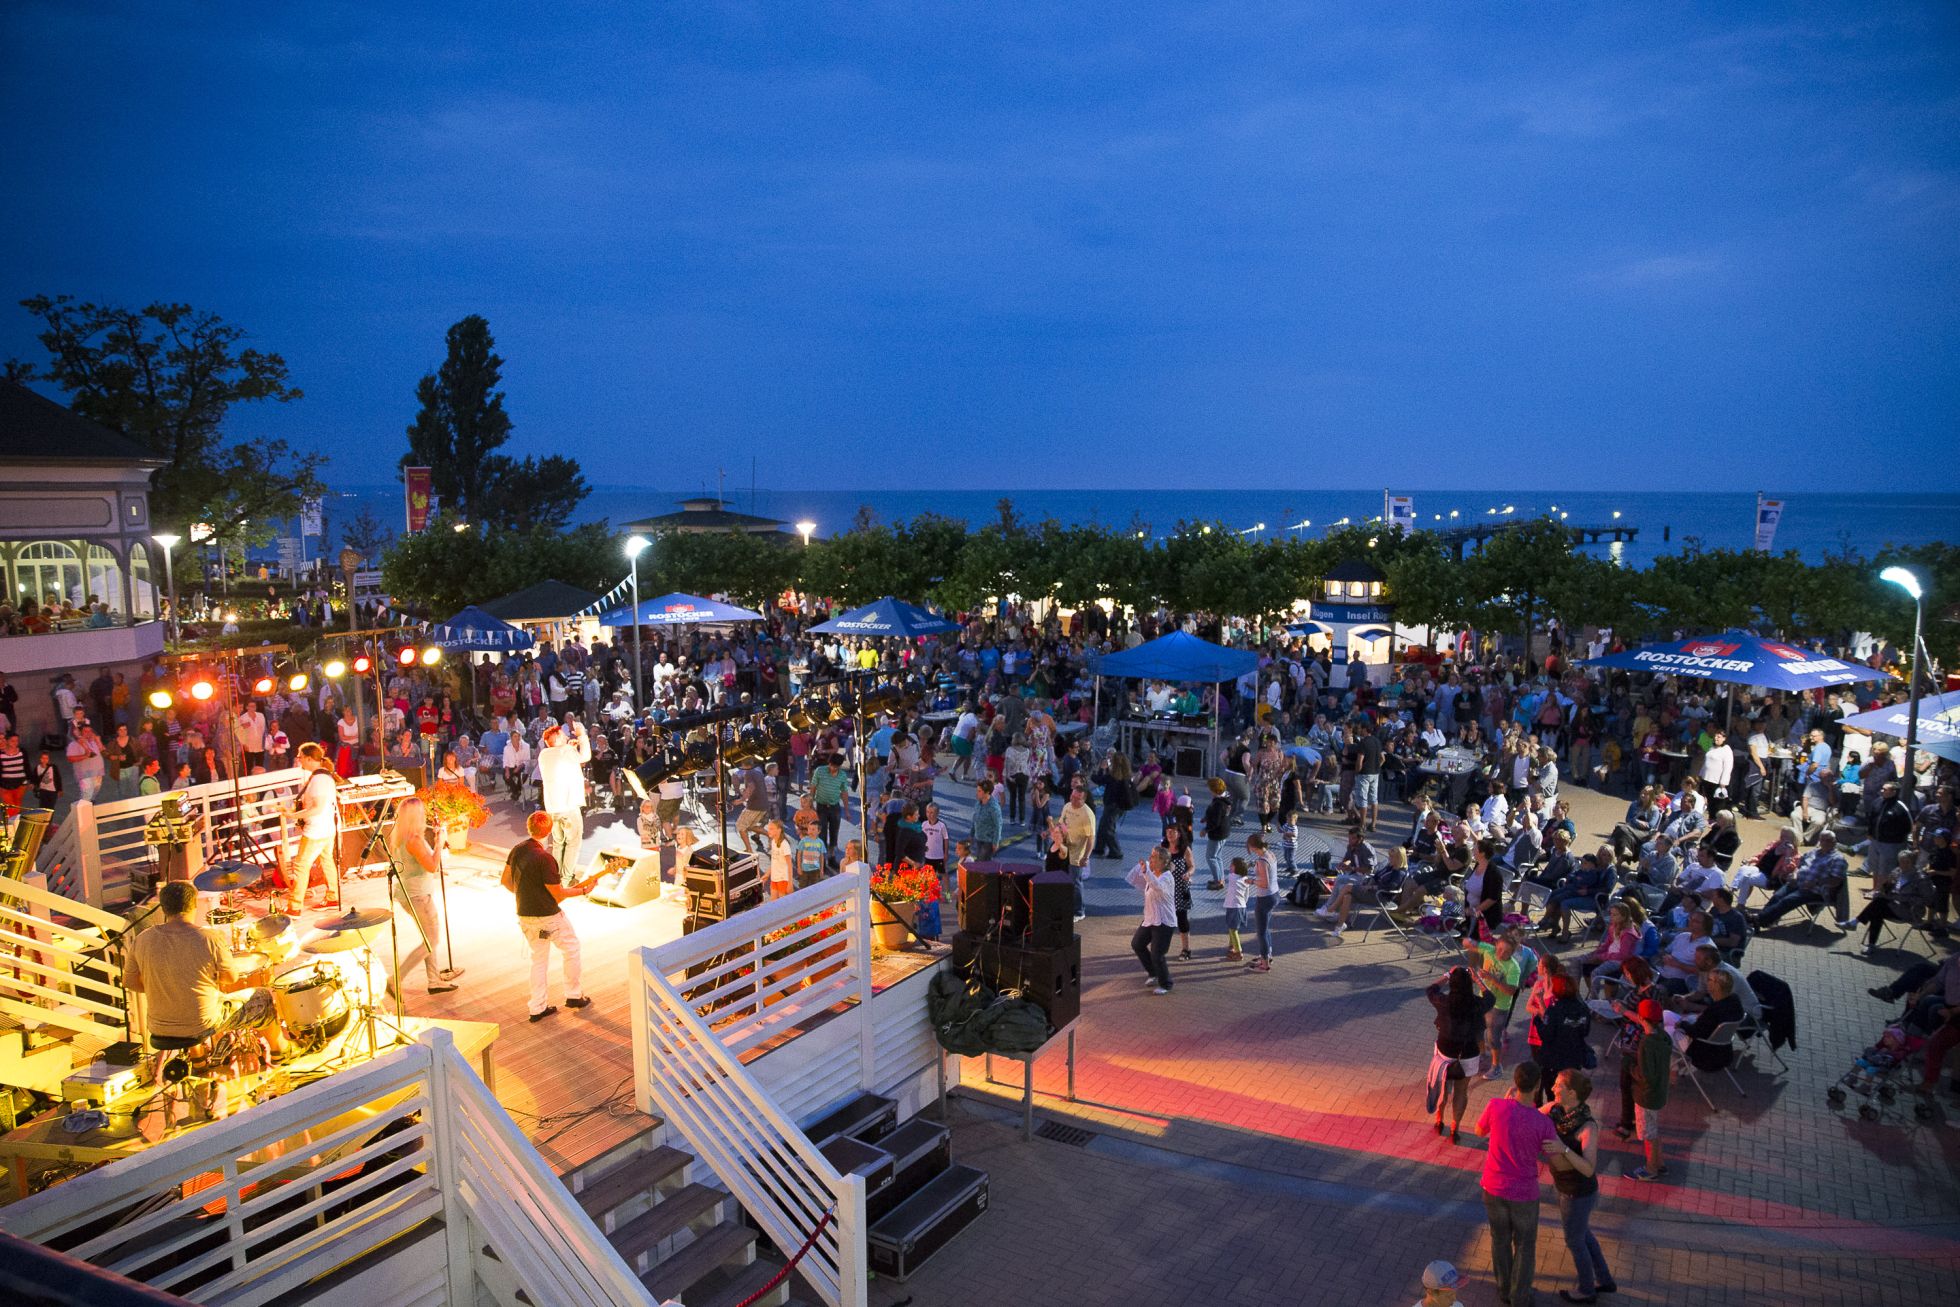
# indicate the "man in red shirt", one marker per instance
pixel 1517 1132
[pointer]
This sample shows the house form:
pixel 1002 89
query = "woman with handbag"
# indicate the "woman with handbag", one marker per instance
pixel 1460 1009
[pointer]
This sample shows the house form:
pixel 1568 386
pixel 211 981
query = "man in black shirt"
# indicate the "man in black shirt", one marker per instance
pixel 531 873
pixel 1367 801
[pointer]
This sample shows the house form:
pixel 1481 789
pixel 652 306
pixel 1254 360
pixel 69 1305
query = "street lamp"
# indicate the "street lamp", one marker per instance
pixel 350 563
pixel 635 546
pixel 169 540
pixel 805 529
pixel 1909 583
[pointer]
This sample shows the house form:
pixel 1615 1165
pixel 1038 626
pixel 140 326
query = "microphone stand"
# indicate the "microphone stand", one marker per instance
pixel 451 971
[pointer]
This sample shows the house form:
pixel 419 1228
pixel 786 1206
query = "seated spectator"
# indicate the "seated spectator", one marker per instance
pixel 1588 883
pixel 1769 870
pixel 1657 866
pixel 1356 865
pixel 1620 942
pixel 1909 899
pixel 1819 879
pixel 1677 961
pixel 1727 926
pixel 1708 961
pixel 1691 1036
pixel 1699 877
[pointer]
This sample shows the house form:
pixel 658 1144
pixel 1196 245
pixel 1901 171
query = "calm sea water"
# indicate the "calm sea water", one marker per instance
pixel 1813 524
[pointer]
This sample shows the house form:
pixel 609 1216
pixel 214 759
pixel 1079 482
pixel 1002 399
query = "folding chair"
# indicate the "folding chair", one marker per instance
pixel 1754 1035
pixel 1370 898
pixel 1896 931
pixel 1597 908
pixel 1723 1036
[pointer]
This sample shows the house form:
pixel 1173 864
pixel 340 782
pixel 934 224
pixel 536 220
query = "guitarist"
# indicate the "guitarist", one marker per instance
pixel 532 874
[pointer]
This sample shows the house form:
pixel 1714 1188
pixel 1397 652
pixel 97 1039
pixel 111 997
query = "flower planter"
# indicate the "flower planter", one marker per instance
pixel 457 836
pixel 890 927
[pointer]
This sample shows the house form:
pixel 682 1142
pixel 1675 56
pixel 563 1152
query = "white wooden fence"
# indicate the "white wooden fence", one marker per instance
pixel 758 978
pixel 91 854
pixel 54 967
pixel 251 1209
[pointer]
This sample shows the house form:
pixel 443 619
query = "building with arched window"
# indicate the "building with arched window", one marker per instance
pixel 75 547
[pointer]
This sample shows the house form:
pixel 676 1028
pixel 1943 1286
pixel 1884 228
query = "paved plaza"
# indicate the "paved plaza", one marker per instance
pixel 1261 1138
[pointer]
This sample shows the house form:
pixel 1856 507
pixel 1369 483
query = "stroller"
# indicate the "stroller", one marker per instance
pixel 1875 1077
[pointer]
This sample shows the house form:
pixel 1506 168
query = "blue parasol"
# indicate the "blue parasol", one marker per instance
pixel 1939 723
pixel 888 616
pixel 475 630
pixel 1742 659
pixel 678 610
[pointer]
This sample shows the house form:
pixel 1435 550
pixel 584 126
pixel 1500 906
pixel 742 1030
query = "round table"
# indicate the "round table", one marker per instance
pixel 1452 768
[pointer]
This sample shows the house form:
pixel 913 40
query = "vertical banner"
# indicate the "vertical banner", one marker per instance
pixel 1769 512
pixel 309 518
pixel 1399 512
pixel 415 480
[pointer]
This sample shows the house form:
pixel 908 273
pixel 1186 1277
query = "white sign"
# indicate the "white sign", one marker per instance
pixel 1769 512
pixel 1399 511
pixel 309 518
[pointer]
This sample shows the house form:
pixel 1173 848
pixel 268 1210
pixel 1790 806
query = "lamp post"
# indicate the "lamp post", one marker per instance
pixel 169 540
pixel 635 546
pixel 350 563
pixel 806 529
pixel 1909 583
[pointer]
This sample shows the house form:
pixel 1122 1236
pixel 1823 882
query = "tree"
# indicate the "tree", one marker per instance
pixel 364 534
pixel 459 429
pixel 167 376
pixel 440 570
pixel 1514 572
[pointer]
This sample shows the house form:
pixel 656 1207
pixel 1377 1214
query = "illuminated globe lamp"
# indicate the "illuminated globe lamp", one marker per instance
pixel 298 681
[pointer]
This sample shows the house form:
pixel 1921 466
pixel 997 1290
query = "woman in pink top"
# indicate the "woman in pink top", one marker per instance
pixel 1620 942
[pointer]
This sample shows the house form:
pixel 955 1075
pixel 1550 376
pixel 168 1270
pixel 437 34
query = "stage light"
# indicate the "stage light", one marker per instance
pixel 298 681
pixel 202 690
pixel 362 664
pixel 406 657
pixel 335 669
pixel 263 685
pixel 161 699
pixel 431 656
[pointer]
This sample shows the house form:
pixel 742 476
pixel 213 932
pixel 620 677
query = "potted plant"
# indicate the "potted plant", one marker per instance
pixel 904 901
pixel 456 808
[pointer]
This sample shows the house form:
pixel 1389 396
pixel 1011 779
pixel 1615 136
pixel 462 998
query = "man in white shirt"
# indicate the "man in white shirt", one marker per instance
pixel 1152 940
pixel 1496 810
pixel 317 810
pixel 1677 970
pixel 1717 770
pixel 561 774
pixel 251 736
pixel 1158 698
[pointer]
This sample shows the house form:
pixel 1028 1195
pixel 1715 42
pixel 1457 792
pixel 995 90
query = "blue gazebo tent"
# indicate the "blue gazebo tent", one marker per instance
pixel 1939 723
pixel 1180 657
pixel 477 631
pixel 679 610
pixel 888 617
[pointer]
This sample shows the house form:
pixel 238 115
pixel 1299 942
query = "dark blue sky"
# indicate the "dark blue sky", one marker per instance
pixel 880 245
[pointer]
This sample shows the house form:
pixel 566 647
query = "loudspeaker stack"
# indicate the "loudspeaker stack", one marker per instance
pixel 1017 931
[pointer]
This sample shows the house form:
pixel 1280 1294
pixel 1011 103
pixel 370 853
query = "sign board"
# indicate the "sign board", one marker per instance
pixel 415 484
pixel 1769 512
pixel 1399 512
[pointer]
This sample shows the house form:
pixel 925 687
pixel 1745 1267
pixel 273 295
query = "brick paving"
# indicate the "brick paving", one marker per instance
pixel 1262 1139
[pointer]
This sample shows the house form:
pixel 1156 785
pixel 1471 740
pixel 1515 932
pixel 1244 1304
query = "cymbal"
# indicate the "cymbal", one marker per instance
pixel 344 942
pixel 221 877
pixel 356 919
pixel 271 925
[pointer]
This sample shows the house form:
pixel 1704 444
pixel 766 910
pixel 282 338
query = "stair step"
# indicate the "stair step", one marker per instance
pixel 665 1219
pixel 739 1285
pixel 710 1250
pixel 639 1173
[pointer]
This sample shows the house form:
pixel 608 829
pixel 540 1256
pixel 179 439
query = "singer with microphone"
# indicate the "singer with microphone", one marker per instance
pixel 416 862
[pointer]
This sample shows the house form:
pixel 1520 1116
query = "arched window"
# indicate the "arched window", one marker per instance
pixel 143 592
pixel 48 571
pixel 105 577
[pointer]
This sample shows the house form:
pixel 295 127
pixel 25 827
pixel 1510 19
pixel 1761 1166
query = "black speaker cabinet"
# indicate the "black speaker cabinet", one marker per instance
pixel 1051 916
pixel 979 901
pixel 1049 978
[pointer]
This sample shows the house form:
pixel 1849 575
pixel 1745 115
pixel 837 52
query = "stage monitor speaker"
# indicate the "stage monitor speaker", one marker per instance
pixel 1051 916
pixel 979 900
pixel 629 879
pixel 1190 761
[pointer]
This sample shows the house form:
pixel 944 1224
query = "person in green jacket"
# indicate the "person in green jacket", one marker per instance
pixel 1653 1065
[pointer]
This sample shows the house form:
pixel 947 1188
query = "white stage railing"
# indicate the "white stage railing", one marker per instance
pixel 108 837
pixel 54 967
pixel 251 1209
pixel 761 978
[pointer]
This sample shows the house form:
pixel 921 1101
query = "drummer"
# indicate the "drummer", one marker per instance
pixel 181 970
pixel 416 863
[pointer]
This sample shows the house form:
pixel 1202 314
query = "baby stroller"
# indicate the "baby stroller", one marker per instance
pixel 1875 1077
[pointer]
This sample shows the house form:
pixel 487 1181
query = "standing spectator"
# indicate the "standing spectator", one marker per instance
pixel 561 776
pixel 1575 1174
pixel 1460 1010
pixel 13 777
pixel 1518 1135
pixel 1218 825
pixel 1079 827
pixel 251 736
pixel 1264 893
pixel 985 832
pixel 1153 938
pixel 119 756
pixel 1177 860
pixel 532 875
pixel 1500 974
pixel 828 786
pixel 86 761
pixel 1651 1065
pixel 1367 799
pixel 1891 827
pixel 1236 882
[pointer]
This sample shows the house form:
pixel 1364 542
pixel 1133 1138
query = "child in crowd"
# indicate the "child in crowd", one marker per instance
pixel 1235 892
pixel 1652 1065
pixel 1039 802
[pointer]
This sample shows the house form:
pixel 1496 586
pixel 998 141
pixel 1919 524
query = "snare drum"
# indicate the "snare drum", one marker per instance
pixel 253 968
pixel 233 922
pixel 311 1002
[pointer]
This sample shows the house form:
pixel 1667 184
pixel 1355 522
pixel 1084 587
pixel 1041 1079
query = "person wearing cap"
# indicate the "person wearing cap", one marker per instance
pixel 1652 1065
pixel 1440 1281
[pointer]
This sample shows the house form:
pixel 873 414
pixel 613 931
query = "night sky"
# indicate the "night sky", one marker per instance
pixel 1049 245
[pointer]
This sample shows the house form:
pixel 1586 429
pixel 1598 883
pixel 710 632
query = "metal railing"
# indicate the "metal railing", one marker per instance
pixel 54 966
pixel 103 842
pixel 709 999
pixel 250 1209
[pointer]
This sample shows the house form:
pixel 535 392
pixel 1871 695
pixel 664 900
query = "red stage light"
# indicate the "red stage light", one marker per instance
pixel 263 685
pixel 406 656
pixel 362 664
